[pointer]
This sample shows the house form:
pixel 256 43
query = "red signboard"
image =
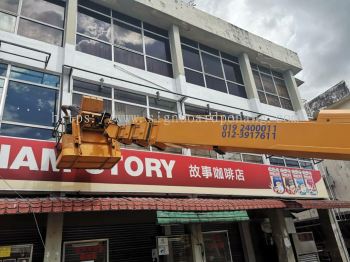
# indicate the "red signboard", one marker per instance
pixel 24 160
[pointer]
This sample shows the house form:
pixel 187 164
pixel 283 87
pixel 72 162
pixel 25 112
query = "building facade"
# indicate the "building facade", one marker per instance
pixel 153 59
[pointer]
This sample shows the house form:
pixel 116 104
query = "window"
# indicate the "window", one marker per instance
pixel 208 67
pixel 271 87
pixel 30 102
pixel 81 88
pixel 291 162
pixel 3 70
pixel 38 19
pixel 111 35
pixel 252 158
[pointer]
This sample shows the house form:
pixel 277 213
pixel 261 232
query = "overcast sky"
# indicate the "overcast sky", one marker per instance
pixel 318 30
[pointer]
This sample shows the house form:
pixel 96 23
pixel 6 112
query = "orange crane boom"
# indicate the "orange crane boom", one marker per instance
pixel 92 147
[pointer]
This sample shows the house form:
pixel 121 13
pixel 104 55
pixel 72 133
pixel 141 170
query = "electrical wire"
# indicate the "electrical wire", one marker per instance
pixel 163 89
pixel 35 220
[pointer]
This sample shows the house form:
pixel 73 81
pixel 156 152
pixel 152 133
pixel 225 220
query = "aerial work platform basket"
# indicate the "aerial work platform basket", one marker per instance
pixel 83 143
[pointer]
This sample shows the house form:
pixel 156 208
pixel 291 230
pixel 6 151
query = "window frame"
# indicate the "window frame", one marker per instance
pixel 221 56
pixel 7 79
pixel 18 15
pixel 274 75
pixel 112 44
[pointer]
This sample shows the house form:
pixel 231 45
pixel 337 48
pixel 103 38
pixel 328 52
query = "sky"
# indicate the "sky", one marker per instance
pixel 318 30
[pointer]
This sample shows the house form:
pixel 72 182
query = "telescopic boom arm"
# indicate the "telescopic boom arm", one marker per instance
pixel 325 138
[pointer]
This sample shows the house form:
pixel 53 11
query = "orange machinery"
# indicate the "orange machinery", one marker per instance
pixel 94 143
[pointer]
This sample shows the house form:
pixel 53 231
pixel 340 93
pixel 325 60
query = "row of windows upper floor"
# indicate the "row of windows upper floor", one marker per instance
pixel 111 35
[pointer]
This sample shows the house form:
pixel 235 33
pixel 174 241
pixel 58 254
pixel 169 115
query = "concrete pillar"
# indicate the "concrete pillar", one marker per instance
pixel 197 242
pixel 332 236
pixel 53 241
pixel 71 21
pixel 249 83
pixel 280 236
pixel 295 95
pixel 244 229
pixel 176 57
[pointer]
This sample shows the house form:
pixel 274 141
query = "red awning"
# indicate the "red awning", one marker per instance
pixel 317 204
pixel 58 205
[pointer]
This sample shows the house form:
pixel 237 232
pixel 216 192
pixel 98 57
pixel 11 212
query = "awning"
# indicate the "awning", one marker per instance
pixel 317 204
pixel 168 217
pixel 63 204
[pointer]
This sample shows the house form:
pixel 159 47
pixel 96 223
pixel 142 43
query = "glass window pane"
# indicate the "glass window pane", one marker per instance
pixel 93 47
pixel 236 90
pixel 127 36
pixel 216 84
pixel 252 158
pixel 2 81
pixel 292 163
pixel 107 104
pixel 306 165
pixel 50 12
pixel 196 111
pixel 254 66
pixel 264 70
pixel 94 25
pixel 163 104
pixel 25 132
pixel 130 97
pixel 9 5
pixel 159 67
pixel 268 84
pixel 233 72
pixel 126 113
pixel 209 49
pixel 229 57
pixel 262 97
pixel 30 104
pixel 157 114
pixel 286 104
pixel 203 153
pixel 278 74
pixel 7 22
pixel 191 58
pixel 257 80
pixel 194 77
pixel 157 46
pixel 189 42
pixel 126 18
pixel 40 32
pixel 212 65
pixel 92 89
pixel 232 156
pixel 129 58
pixel 94 6
pixel 155 29
pixel 277 161
pixel 281 87
pixel 34 76
pixel 3 69
pixel 273 100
